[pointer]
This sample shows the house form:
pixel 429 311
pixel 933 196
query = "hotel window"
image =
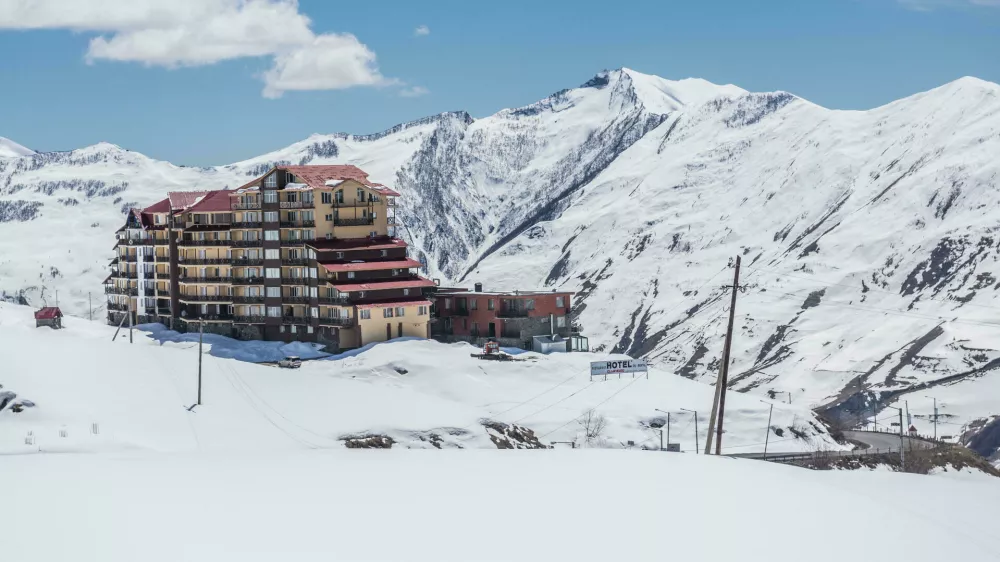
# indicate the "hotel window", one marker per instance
pixel 270 196
pixel 473 304
pixel 489 304
pixel 309 329
pixel 421 311
pixel 274 311
pixel 400 311
pixel 366 313
pixel 293 198
pixel 406 292
pixel 313 292
pixel 272 272
pixel 560 302
pixel 289 177
pixel 327 199
pixel 312 273
pixel 270 216
pixel 272 254
pixel 361 194
pixel 273 291
pixel 293 328
pixel 271 181
pixel 329 218
pixel 350 275
pixel 530 304
pixel 385 253
pixel 560 321
pixel 308 234
pixel 271 235
pixel 447 304
pixel 387 313
pixel 340 196
pixel 314 312
pixel 340 255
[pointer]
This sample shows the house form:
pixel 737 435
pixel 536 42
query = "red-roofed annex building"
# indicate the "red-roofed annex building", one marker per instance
pixel 302 253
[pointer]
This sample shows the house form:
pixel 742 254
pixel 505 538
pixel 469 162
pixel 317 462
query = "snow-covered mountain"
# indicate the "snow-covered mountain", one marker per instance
pixel 867 237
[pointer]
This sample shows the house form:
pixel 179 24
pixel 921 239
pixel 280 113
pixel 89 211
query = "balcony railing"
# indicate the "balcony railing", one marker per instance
pixel 205 298
pixel 161 241
pixel 132 292
pixel 330 321
pixel 461 311
pixel 205 243
pixel 247 224
pixel 513 313
pixel 357 203
pixel 248 319
pixel 353 222
pixel 246 206
pixel 297 224
pixel 247 280
pixel 334 300
pixel 218 279
pixel 117 307
pixel 204 261
pixel 246 262
pixel 257 299
pixel 210 317
pixel 294 320
pixel 135 241
pixel 293 261
pixel 293 204
pixel 297 242
pixel 295 299
pixel 122 275
pixel 165 276
pixel 294 280
pixel 246 243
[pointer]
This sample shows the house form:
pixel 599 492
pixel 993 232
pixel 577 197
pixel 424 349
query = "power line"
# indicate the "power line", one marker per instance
pixel 595 406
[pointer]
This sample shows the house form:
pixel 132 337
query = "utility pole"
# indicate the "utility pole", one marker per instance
pixel 715 411
pixel 902 453
pixel 935 419
pixel 668 429
pixel 725 359
pixel 130 318
pixel 201 334
pixel 767 436
pixel 695 428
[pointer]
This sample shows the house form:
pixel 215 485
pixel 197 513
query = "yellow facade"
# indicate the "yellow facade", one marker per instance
pixel 377 327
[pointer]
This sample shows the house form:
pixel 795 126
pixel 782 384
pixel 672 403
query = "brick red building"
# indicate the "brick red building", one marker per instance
pixel 512 318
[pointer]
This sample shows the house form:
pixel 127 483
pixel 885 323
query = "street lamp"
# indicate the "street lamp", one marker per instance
pixel 668 428
pixel 902 454
pixel 935 415
pixel 695 412
pixel 767 436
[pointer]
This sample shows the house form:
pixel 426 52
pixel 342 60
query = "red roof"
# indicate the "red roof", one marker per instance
pixel 180 200
pixel 384 285
pixel 213 202
pixel 372 265
pixel 394 304
pixel 317 176
pixel 159 207
pixel 48 313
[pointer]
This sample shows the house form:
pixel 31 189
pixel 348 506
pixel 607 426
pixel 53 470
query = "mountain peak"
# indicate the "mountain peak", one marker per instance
pixel 10 149
pixel 660 95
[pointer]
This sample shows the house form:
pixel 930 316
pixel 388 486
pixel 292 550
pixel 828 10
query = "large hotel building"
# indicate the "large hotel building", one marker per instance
pixel 302 253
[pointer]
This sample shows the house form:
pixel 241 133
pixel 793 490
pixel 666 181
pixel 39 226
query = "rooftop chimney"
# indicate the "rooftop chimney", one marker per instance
pixel 479 287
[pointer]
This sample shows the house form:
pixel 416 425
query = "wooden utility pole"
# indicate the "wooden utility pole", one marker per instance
pixel 725 359
pixel 767 436
pixel 715 411
pixel 201 333
pixel 129 307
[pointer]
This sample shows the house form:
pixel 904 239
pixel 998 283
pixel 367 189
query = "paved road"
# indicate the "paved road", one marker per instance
pixel 878 443
pixel 883 441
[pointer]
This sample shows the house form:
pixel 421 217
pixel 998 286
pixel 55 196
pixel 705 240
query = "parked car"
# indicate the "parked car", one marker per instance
pixel 290 362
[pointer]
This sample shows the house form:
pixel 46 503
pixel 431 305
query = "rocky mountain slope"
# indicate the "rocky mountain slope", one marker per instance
pixel 867 238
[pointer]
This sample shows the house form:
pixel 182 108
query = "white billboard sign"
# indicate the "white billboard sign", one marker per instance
pixel 618 367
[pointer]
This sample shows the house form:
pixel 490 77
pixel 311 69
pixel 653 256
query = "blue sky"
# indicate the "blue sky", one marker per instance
pixel 212 102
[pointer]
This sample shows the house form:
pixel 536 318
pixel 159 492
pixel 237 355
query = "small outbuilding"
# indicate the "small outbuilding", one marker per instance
pixel 49 316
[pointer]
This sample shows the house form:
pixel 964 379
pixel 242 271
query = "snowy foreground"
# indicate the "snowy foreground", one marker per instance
pixel 481 505
pixel 110 466
pixel 95 395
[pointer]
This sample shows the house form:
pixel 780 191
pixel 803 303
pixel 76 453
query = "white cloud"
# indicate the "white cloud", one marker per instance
pixel 330 62
pixel 413 92
pixel 198 32
pixel 422 30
